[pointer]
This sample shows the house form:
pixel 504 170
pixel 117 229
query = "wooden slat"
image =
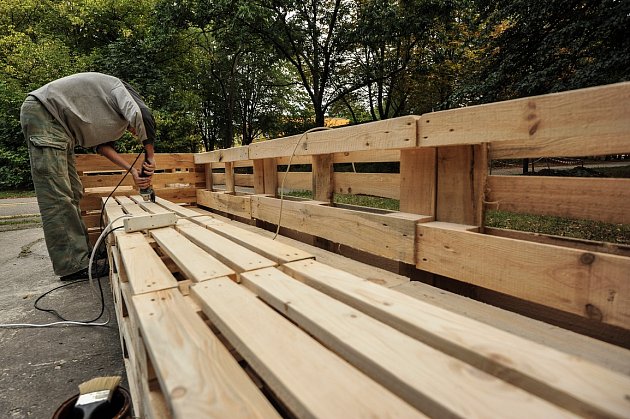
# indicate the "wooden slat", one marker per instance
pixel 271 249
pixel 225 155
pixel 585 122
pixel 259 177
pixel 352 228
pixel 599 199
pixel 574 383
pixel 417 181
pixel 424 377
pixel 286 358
pixel 296 180
pixel 232 254
pixel 393 133
pixel 92 197
pixel 225 202
pixel 593 285
pixel 158 180
pixel 144 268
pixel 195 262
pixel 199 375
pixel 229 177
pixel 367 156
pixel 386 185
pixel 183 211
pixel 95 163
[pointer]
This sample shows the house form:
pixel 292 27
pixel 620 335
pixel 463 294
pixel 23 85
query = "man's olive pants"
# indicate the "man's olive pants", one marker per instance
pixel 57 186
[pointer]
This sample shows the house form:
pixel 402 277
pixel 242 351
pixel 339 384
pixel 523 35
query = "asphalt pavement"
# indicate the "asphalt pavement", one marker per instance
pixel 42 367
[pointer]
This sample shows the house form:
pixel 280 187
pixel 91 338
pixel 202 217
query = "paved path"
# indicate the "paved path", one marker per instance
pixel 41 368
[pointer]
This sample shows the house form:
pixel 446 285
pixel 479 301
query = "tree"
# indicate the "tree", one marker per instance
pixel 537 47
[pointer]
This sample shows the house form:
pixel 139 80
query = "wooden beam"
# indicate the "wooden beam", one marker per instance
pixel 537 368
pixel 424 377
pixel 180 345
pixel 323 182
pixel 418 173
pixel 208 176
pixel 159 179
pixel 558 124
pixel 259 334
pixel 271 176
pixel 395 133
pixel 352 228
pixel 229 177
pixel 259 176
pixel 593 285
pixel 461 174
pixel 598 199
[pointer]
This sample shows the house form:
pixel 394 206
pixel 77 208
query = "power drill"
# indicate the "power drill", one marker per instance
pixel 146 193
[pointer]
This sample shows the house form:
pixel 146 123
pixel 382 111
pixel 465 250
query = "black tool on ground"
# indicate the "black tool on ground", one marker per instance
pixel 147 193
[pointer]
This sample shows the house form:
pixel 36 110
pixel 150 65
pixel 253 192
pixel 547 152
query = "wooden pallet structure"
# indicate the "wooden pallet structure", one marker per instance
pixel 218 319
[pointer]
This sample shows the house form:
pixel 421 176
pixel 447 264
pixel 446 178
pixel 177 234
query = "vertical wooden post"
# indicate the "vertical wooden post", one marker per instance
pixel 461 178
pixel 259 176
pixel 208 171
pixel 229 177
pixel 323 182
pixel 418 180
pixel 271 176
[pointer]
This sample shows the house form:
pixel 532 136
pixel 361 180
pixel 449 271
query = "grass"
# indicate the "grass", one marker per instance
pixel 559 226
pixel 543 224
pixel 360 200
pixel 16 194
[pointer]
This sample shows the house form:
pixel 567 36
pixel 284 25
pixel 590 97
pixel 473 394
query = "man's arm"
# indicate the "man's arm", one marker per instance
pixel 142 182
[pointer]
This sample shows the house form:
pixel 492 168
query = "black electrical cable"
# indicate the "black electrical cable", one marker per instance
pixel 100 287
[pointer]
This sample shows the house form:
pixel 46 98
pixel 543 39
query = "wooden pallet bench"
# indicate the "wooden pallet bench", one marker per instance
pixel 218 320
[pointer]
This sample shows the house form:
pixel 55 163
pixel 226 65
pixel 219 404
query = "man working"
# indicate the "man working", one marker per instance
pixel 87 110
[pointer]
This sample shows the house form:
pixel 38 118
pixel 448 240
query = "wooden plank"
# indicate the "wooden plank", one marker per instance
pixel 225 155
pixel 95 162
pixel 144 268
pixel 195 262
pixel 585 122
pixel 159 179
pixel 271 249
pixel 323 185
pixel 417 180
pixel 424 377
pixel 593 285
pixel 231 254
pixel 461 173
pixel 271 176
pixel 352 228
pixel 295 180
pixel 183 211
pixel 392 133
pixel 598 199
pixel 536 367
pixel 372 156
pixel 92 197
pixel 197 373
pixel 225 202
pixel 260 334
pixel 386 185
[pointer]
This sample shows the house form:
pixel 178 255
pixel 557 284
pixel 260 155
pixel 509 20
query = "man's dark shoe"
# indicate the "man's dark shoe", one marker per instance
pixel 100 268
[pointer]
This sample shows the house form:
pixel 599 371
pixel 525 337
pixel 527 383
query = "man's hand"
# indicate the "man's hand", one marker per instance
pixel 141 182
